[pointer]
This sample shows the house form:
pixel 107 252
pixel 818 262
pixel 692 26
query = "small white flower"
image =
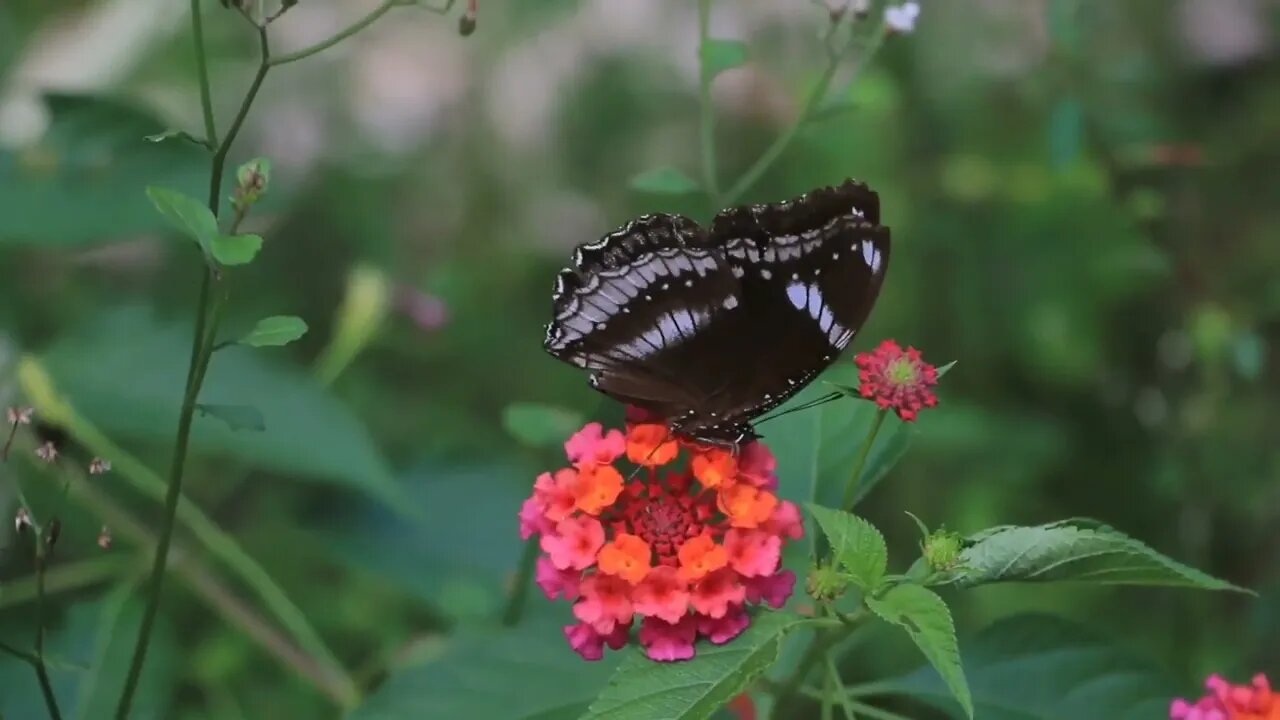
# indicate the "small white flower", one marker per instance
pixel 20 415
pixel 47 452
pixel 104 538
pixel 99 466
pixel 902 18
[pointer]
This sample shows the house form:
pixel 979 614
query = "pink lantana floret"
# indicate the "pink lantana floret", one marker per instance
pixel 717 592
pixel 753 553
pixel 662 594
pixel 773 590
pixel 592 444
pixel 721 630
pixel 574 543
pixel 556 582
pixel 590 644
pixel 668 642
pixel 605 603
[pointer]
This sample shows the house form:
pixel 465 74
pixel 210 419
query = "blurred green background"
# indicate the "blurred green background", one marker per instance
pixel 1086 214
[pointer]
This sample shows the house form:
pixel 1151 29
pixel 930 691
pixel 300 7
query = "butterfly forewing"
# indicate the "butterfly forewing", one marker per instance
pixel 709 330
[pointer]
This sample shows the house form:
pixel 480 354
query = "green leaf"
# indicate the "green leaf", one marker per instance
pixel 94 159
pixel 275 331
pixel 721 55
pixel 510 674
pixel 925 617
pixel 92 645
pixel 536 425
pixel 237 417
pixel 642 689
pixel 187 215
pixel 944 369
pixel 458 562
pixel 1077 550
pixel 133 391
pixel 664 181
pixel 236 249
pixel 176 135
pixel 856 544
pixel 1037 667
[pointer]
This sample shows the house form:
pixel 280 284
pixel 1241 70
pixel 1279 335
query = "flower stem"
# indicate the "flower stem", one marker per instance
pixel 811 106
pixel 851 488
pixel 833 676
pixel 42 671
pixel 341 35
pixel 707 113
pixel 202 71
pixel 520 586
pixel 206 332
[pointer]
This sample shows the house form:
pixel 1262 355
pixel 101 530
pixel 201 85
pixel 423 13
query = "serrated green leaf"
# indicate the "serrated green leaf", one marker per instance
pixel 1037 667
pixel 236 249
pixel 856 545
pixel 275 331
pixel 925 617
pixel 537 425
pixel 721 55
pixel 664 181
pixel 1077 550
pixel 188 215
pixel 642 689
pixel 237 417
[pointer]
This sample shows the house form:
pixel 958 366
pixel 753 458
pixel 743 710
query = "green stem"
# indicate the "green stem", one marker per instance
pixel 851 488
pixel 352 29
pixel 202 71
pixel 875 713
pixel 22 655
pixel 42 671
pixel 707 114
pixel 811 105
pixel 828 694
pixel 195 376
pixel 520 586
pixel 833 677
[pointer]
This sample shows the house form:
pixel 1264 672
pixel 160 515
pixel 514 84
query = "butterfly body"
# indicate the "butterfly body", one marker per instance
pixel 710 328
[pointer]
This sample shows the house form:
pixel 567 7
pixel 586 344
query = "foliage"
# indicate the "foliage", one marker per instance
pixel 1083 211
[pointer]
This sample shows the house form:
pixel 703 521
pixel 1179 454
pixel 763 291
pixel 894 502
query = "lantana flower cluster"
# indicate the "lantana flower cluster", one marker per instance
pixel 683 545
pixel 1225 701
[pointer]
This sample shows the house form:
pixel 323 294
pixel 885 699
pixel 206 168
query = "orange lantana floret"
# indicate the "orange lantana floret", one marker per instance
pixel 598 487
pixel 699 556
pixel 651 444
pixel 746 506
pixel 627 557
pixel 715 467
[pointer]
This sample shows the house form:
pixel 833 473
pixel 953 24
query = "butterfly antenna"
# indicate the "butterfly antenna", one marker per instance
pixel 805 406
pixel 641 465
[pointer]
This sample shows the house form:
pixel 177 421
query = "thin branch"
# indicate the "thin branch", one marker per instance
pixel 42 670
pixel 520 585
pixel 707 113
pixel 202 71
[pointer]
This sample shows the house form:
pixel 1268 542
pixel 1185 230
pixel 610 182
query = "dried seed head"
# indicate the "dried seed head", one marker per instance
pixel 47 452
pixel 22 521
pixel 104 538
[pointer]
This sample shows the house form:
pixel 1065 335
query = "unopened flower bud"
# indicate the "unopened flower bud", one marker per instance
pixel 467 23
pixel 98 466
pixel 942 550
pixel 252 179
pixel 104 538
pixel 53 532
pixel 827 583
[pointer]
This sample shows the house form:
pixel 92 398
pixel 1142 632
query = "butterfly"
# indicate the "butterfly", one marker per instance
pixel 709 328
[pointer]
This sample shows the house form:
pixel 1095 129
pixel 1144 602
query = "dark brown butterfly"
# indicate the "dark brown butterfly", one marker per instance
pixel 710 328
